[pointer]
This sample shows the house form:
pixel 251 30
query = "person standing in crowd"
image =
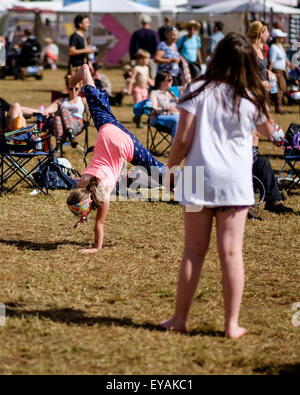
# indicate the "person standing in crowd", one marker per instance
pixel 262 169
pixel 78 49
pixel 168 57
pixel 140 81
pixel 216 37
pixel 181 28
pixel 147 39
pixel 189 46
pixel 278 62
pixel 50 54
pixel 162 30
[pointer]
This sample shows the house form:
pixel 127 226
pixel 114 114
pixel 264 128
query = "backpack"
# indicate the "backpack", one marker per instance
pixel 293 135
pixel 52 175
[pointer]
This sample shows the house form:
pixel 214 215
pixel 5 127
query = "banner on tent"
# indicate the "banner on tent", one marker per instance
pixel 68 2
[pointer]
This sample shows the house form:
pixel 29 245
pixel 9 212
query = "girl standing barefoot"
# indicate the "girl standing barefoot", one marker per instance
pixel 214 132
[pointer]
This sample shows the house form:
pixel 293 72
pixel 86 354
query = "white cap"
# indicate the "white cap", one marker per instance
pixel 146 19
pixel 278 33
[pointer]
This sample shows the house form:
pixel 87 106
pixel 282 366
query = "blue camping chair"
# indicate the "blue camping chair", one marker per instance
pixel 159 135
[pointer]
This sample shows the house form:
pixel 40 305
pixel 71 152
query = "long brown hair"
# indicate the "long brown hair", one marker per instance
pixel 94 187
pixel 234 63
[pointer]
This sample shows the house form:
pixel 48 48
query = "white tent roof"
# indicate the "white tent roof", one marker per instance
pixel 39 5
pixel 231 6
pixel 115 6
pixel 201 3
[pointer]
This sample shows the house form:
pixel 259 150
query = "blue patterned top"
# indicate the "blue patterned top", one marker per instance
pixel 169 53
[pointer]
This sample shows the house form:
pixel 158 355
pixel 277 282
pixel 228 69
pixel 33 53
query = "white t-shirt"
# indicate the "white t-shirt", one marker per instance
pixel 222 148
pixel 277 55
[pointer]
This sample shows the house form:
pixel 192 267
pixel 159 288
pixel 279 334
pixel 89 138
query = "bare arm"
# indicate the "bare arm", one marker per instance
pixel 99 224
pixel 86 106
pixel 266 128
pixel 131 82
pixel 98 229
pixel 28 111
pixel 160 59
pixel 83 75
pixel 73 51
pixel 183 139
pixel 271 65
pixel 199 56
pixel 180 146
pixel 53 107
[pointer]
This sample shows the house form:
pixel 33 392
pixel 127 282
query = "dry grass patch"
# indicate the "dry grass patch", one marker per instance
pixel 68 313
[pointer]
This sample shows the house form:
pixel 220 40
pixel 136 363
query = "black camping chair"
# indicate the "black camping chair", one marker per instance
pixel 291 158
pixel 22 152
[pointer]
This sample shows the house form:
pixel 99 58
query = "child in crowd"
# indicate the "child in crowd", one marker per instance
pixel 114 146
pixel 127 74
pixel 220 143
pixel 140 81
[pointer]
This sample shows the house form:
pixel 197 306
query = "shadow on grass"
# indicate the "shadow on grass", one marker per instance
pixel 34 246
pixel 282 370
pixel 70 316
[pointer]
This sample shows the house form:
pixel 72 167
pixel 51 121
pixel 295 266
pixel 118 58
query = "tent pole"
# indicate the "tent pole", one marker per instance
pixel 91 22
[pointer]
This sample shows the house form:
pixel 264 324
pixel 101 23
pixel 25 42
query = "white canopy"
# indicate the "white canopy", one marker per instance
pixel 107 7
pixel 201 3
pixel 34 5
pixel 231 6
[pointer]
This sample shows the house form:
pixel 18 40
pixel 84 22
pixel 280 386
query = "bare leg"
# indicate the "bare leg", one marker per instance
pixel 83 75
pixel 197 237
pixel 230 232
pixel 15 112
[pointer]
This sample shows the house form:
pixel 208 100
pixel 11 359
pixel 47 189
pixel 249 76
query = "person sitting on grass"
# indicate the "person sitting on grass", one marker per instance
pixel 114 145
pixel 262 169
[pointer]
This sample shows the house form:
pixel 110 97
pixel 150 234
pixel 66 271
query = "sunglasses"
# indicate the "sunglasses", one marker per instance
pixel 169 79
pixel 74 89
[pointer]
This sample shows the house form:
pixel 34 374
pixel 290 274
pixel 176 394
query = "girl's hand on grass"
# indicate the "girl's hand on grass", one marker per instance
pixel 91 250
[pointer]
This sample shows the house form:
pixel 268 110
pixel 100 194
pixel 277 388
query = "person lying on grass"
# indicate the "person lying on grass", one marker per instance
pixel 114 145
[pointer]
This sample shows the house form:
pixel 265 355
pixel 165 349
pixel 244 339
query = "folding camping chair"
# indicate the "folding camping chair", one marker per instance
pixel 291 158
pixel 86 122
pixel 21 154
pixel 159 137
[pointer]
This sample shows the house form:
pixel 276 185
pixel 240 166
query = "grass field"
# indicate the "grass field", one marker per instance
pixel 74 314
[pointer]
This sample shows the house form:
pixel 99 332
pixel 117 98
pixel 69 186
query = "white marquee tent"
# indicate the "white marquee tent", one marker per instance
pixel 232 6
pixel 115 6
pixel 201 3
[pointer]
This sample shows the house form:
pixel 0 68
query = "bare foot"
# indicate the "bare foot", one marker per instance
pixel 172 325
pixel 236 332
